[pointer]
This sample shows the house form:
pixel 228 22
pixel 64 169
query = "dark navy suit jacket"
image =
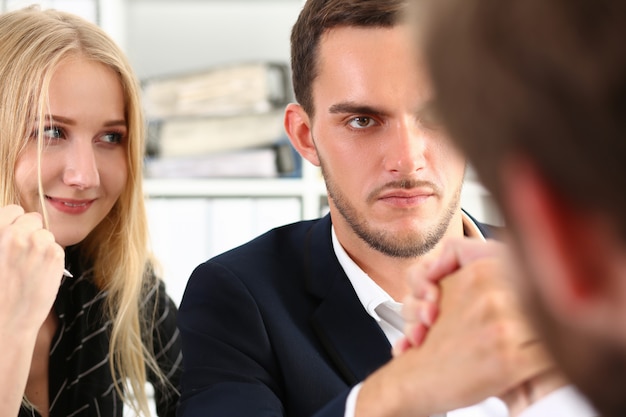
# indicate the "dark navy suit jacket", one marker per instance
pixel 274 328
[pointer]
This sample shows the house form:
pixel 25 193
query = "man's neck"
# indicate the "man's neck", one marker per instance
pixel 388 272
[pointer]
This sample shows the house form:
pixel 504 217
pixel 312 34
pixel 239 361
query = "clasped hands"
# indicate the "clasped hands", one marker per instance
pixel 464 312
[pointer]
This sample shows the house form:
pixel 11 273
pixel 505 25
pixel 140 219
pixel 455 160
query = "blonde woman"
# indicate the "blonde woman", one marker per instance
pixel 71 145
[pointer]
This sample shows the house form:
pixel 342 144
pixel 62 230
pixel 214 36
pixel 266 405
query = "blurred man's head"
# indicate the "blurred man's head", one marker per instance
pixel 534 91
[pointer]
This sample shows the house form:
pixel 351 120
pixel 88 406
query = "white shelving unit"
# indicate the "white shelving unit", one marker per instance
pixel 309 189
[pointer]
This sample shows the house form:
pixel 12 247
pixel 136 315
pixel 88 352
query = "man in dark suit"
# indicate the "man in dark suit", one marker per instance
pixel 301 320
pixel 543 88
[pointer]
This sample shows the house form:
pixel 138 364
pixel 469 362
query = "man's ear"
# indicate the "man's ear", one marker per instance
pixel 298 128
pixel 573 257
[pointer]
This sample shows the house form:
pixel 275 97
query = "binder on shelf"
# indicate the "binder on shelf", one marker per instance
pixel 226 89
pixel 223 122
pixel 277 160
pixel 193 135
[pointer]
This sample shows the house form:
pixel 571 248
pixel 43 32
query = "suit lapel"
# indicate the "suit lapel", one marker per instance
pixel 352 338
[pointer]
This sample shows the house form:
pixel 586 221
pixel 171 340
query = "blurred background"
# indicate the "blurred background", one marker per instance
pixel 215 77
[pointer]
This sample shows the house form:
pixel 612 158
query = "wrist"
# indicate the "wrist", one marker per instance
pixel 532 391
pixel 391 392
pixel 19 333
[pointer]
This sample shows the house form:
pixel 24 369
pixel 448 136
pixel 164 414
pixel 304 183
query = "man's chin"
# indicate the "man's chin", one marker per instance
pixel 401 243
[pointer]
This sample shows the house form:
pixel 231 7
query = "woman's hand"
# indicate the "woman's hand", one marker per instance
pixel 31 268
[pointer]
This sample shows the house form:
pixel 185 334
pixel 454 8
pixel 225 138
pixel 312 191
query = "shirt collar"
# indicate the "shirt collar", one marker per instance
pixel 369 293
pixel 470 228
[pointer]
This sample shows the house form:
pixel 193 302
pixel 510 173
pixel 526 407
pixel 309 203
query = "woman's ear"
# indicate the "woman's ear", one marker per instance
pixel 569 254
pixel 298 128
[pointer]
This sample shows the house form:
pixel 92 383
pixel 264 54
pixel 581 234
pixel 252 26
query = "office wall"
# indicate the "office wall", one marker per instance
pixel 163 37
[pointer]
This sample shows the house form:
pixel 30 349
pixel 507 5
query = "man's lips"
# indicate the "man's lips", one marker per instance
pixel 407 194
pixel 406 198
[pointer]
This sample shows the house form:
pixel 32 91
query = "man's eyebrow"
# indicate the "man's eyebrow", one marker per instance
pixel 353 108
pixel 426 109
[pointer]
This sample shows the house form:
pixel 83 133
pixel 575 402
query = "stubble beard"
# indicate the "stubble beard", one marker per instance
pixel 411 245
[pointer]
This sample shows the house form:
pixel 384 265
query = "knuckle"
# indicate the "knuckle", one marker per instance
pixel 484 270
pixel 34 219
pixel 493 304
pixel 503 337
pixel 40 240
pixel 14 238
pixel 13 210
pixel 504 332
pixel 58 253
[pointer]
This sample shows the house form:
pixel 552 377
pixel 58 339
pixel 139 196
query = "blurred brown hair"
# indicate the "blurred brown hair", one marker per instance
pixel 545 79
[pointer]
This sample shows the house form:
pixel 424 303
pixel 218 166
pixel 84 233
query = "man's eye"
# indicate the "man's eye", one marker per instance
pixel 112 137
pixel 361 122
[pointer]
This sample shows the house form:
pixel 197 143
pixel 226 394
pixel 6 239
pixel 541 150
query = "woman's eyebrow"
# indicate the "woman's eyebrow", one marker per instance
pixel 71 122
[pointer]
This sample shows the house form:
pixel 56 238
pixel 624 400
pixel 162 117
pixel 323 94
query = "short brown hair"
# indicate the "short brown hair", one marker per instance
pixel 544 79
pixel 317 17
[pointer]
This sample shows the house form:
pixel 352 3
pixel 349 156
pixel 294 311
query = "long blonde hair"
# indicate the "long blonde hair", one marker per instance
pixel 32 44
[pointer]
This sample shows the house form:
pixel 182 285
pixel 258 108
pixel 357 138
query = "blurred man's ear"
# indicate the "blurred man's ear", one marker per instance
pixel 298 128
pixel 577 262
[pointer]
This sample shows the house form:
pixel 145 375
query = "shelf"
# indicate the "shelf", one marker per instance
pixel 309 188
pixel 310 191
pixel 281 187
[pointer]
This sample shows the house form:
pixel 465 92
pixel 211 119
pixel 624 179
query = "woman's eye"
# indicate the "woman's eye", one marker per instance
pixel 52 133
pixel 113 137
pixel 361 122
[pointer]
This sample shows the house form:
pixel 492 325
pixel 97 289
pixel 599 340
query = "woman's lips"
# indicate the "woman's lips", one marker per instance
pixel 70 206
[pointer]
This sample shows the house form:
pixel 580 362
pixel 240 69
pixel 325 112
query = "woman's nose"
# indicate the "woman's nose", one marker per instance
pixel 81 167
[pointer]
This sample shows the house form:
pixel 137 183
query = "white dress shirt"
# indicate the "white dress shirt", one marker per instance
pixel 566 401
